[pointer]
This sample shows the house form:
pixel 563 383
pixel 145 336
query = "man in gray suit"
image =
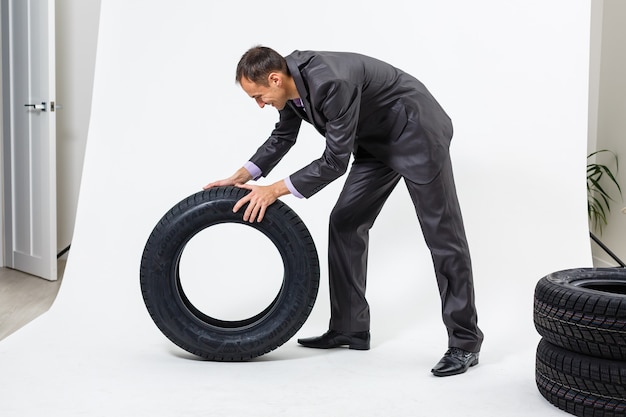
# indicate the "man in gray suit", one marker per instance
pixel 395 129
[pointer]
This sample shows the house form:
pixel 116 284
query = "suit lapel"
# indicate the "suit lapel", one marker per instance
pixel 306 113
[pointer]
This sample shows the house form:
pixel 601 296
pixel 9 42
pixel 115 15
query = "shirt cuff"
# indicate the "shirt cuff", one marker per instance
pixel 253 169
pixel 292 189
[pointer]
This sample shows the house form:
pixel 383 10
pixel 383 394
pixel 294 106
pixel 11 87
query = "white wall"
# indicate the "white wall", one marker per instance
pixel 595 46
pixel 175 119
pixel 77 26
pixel 610 131
pixel 168 118
pixel 76 40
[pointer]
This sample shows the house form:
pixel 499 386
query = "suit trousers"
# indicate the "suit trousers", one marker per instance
pixel 367 187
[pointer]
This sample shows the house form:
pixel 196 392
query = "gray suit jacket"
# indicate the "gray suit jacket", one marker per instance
pixel 358 101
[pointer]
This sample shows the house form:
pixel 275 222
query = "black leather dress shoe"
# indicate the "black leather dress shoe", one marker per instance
pixel 455 361
pixel 332 339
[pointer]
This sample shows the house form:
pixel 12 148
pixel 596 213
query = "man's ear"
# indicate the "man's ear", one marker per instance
pixel 275 78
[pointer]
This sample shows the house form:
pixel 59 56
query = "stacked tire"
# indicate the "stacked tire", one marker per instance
pixel 581 358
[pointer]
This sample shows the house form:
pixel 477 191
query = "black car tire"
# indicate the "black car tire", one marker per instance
pixel 584 310
pixel 579 384
pixel 209 337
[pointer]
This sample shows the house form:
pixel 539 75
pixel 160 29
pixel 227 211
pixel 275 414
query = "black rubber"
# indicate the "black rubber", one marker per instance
pixel 210 337
pixel 584 310
pixel 579 384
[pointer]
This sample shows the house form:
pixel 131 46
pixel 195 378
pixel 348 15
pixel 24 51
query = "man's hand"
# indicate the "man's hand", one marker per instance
pixel 259 199
pixel 242 176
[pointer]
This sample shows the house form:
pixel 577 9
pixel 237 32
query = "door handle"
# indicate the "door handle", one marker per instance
pixel 41 106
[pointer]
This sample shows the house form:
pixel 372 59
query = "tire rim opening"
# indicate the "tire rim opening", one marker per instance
pixel 230 272
pixel 610 286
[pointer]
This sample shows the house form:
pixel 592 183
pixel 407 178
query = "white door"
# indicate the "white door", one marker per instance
pixel 29 122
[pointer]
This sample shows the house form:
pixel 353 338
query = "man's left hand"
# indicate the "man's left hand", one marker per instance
pixel 259 199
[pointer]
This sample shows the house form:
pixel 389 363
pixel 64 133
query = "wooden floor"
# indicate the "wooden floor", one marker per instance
pixel 24 297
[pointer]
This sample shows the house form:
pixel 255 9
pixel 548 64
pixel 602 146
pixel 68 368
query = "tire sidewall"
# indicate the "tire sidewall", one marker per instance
pixel 571 279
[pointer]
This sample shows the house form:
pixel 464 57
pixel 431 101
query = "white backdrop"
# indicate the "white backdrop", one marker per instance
pixel 167 118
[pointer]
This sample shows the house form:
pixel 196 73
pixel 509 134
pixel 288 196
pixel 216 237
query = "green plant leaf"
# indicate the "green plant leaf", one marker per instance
pixel 598 196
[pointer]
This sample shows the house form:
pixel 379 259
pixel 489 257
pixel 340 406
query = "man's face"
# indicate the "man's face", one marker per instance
pixel 273 94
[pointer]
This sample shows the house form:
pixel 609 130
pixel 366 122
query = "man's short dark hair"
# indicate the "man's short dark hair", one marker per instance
pixel 259 62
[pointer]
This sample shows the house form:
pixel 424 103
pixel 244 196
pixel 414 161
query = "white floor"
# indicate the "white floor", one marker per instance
pixel 97 353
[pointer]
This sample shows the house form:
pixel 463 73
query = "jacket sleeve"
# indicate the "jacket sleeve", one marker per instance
pixel 282 138
pixel 338 104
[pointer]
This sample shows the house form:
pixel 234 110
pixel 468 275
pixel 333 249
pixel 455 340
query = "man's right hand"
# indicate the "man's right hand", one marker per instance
pixel 242 176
